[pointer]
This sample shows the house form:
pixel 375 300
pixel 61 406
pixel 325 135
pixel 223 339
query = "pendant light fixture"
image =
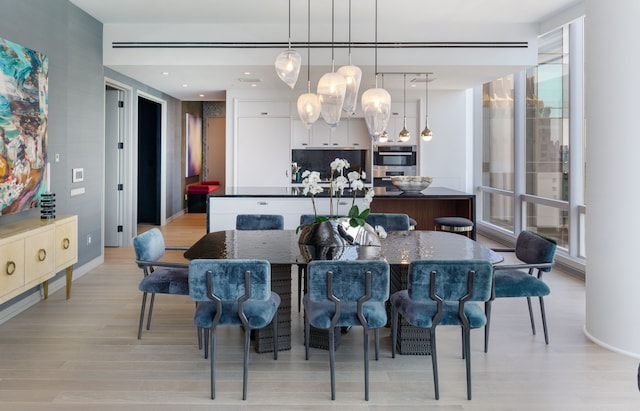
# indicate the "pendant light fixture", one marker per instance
pixel 308 103
pixel 404 135
pixel 288 62
pixel 352 75
pixel 376 102
pixel 384 137
pixel 426 134
pixel 331 88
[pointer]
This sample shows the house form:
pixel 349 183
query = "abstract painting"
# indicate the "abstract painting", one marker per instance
pixel 23 127
pixel 194 145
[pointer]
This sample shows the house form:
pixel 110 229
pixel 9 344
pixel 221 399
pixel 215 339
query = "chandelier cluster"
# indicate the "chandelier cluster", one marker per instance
pixel 337 91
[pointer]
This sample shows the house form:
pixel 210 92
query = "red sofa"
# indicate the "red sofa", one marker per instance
pixel 197 195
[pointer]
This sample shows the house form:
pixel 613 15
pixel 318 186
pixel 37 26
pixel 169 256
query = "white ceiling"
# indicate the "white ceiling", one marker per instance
pixel 210 72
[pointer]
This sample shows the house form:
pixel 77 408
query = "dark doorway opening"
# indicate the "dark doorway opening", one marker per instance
pixel 149 161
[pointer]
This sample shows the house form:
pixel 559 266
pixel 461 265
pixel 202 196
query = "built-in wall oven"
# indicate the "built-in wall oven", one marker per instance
pixel 393 161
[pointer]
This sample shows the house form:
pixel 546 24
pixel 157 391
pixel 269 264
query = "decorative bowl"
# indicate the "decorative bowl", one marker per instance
pixel 411 184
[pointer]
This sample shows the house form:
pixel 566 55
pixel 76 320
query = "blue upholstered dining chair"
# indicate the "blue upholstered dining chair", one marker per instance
pixel 524 279
pixel 159 277
pixel 259 222
pixel 444 292
pixel 389 221
pixel 233 292
pixel 344 294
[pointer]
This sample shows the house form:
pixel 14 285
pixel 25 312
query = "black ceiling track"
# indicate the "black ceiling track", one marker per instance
pixel 279 45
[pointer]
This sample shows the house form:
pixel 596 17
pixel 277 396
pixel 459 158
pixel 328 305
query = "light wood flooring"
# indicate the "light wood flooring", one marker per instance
pixel 83 354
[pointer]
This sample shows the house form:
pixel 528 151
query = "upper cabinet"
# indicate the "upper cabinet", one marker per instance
pixel 396 123
pixel 263 138
pixel 350 133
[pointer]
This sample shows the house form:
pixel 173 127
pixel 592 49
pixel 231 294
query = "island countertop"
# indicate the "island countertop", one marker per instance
pixel 380 192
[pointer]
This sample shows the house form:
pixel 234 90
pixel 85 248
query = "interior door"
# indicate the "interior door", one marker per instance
pixel 149 161
pixel 114 168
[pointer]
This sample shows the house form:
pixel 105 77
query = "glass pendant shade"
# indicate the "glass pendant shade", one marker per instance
pixel 288 66
pixel 309 108
pixel 376 107
pixel 352 75
pixel 384 137
pixel 331 90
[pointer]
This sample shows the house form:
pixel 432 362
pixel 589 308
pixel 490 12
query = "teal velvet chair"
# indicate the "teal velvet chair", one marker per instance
pixel 344 294
pixel 444 292
pixel 158 277
pixel 259 222
pixel 233 292
pixel 524 279
pixel 389 221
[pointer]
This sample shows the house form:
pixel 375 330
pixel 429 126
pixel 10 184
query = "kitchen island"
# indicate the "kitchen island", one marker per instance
pixel 224 205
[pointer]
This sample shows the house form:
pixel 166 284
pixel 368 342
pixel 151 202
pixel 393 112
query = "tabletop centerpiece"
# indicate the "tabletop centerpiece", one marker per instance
pixel 336 230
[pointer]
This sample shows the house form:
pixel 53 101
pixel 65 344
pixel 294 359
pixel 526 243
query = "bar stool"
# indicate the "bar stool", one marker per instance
pixel 459 225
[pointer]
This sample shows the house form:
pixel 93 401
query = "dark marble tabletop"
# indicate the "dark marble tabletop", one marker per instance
pixel 281 247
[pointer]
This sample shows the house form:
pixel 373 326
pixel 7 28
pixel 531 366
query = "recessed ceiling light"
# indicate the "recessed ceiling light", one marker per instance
pixel 165 73
pixel 254 85
pixel 185 85
pixel 246 73
pixel 201 95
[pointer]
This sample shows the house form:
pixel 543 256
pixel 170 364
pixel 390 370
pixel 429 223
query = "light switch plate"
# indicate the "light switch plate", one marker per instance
pixel 77 175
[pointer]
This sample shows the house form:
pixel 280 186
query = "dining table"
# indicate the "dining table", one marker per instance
pixel 282 250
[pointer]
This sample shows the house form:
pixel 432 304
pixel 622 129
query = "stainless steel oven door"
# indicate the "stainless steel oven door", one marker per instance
pixel 395 156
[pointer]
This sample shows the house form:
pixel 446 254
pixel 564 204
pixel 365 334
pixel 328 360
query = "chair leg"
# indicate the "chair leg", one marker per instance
pixel 332 361
pixel 394 331
pixel 212 354
pixel 199 336
pixel 487 312
pixel 144 303
pixel 544 320
pixel 275 335
pixel 376 336
pixel 153 299
pixel 366 363
pixel 463 345
pixel 307 330
pixel 533 324
pixel 434 362
pixel 300 279
pixel 467 350
pixel 206 344
pixel 245 369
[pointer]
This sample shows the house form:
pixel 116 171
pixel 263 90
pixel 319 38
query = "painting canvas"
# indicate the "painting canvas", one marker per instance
pixel 23 127
pixel 194 145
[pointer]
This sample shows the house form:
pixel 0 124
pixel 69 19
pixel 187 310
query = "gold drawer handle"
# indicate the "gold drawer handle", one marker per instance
pixel 42 254
pixel 11 267
pixel 66 243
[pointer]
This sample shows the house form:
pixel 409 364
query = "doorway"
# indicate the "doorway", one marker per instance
pixel 149 161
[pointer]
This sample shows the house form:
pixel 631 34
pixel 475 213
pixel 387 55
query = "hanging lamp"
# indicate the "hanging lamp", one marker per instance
pixel 288 62
pixel 309 103
pixel 384 137
pixel 376 102
pixel 353 76
pixel 331 88
pixel 426 134
pixel 404 135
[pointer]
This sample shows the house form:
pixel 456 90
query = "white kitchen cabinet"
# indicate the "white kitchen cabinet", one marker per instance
pixel 263 144
pixel 300 135
pixel 222 211
pixel 359 136
pixel 350 133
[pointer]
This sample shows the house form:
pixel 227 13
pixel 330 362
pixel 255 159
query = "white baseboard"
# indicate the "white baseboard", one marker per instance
pixel 23 304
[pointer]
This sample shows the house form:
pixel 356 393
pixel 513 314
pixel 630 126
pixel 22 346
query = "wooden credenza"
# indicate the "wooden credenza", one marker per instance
pixel 32 251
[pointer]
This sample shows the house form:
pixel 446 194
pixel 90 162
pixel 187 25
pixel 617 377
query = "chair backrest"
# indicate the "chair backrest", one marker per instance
pixel 389 221
pixel 227 279
pixel 259 222
pixel 306 219
pixel 532 248
pixel 451 280
pixel 149 246
pixel 348 279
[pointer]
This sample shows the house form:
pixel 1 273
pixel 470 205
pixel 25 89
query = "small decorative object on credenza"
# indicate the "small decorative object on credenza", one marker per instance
pixel 47 206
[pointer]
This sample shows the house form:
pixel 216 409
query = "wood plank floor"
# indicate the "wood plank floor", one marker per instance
pixel 83 354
